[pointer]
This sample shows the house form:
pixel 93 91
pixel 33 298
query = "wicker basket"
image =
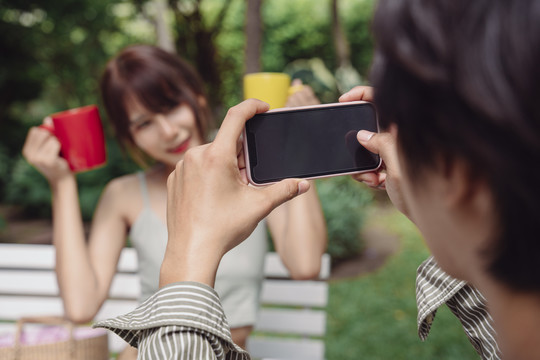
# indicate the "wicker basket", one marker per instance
pixel 93 347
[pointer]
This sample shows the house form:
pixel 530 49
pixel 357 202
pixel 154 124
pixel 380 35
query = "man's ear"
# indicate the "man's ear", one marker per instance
pixel 393 129
pixel 470 204
pixel 463 190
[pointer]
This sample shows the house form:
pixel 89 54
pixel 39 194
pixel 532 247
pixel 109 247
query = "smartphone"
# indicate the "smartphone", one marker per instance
pixel 309 142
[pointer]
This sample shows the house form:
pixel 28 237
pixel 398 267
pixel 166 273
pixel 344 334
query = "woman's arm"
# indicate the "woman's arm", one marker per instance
pixel 84 270
pixel 299 232
pixel 298 227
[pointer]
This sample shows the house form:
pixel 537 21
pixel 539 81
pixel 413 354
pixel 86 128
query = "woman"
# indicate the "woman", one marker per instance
pixel 158 109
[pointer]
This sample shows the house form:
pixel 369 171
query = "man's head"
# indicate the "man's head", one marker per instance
pixel 460 79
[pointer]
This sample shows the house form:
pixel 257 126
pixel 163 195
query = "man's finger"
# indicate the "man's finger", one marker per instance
pixel 233 124
pixel 364 93
pixel 241 160
pixel 369 178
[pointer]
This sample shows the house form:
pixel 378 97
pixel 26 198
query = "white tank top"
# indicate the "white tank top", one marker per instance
pixel 239 275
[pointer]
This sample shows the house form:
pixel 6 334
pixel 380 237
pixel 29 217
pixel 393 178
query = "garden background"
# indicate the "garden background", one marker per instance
pixel 52 55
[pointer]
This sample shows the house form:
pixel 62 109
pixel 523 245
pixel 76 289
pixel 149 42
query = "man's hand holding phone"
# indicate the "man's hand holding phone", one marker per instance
pixel 210 206
pixel 309 142
pixel 384 143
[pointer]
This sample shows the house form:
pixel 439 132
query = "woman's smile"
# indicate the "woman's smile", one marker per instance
pixel 180 148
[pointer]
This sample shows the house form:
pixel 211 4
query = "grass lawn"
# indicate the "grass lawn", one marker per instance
pixel 373 316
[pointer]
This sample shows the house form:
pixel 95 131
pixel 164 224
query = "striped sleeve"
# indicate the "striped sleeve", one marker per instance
pixel 183 320
pixel 434 288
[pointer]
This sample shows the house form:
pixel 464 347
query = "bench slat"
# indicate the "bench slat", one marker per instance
pixel 298 349
pixel 128 261
pixel 15 307
pixel 27 256
pixel 295 293
pixel 288 321
pixel 28 282
pixel 43 283
pixel 42 257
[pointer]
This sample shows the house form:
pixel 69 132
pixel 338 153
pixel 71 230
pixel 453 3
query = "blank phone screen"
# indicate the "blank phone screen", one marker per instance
pixel 309 142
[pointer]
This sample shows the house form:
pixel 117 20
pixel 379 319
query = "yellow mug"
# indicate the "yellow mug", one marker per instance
pixel 273 88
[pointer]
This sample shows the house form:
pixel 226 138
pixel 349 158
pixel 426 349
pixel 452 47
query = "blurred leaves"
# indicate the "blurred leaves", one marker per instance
pixel 52 57
pixel 345 204
pixel 53 53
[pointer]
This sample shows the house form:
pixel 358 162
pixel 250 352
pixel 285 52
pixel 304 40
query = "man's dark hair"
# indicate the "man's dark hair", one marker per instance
pixel 461 79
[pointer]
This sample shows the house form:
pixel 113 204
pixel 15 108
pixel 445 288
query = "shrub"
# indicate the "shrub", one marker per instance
pixel 29 190
pixel 344 202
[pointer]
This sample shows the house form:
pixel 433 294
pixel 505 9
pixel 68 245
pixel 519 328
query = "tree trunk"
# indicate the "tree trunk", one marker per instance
pixel 163 31
pixel 253 36
pixel 343 52
pixel 346 75
pixel 196 43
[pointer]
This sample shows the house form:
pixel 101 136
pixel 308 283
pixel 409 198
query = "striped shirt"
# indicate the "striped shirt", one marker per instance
pixel 183 320
pixel 434 288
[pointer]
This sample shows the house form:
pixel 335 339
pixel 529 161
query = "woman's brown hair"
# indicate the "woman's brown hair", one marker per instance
pixel 159 81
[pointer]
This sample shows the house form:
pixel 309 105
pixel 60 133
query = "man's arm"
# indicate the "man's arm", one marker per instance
pixel 181 319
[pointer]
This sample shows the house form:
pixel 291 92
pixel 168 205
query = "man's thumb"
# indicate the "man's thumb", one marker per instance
pixel 377 143
pixel 383 143
pixel 285 190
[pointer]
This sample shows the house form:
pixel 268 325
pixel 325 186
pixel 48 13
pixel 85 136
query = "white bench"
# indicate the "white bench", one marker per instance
pixel 291 323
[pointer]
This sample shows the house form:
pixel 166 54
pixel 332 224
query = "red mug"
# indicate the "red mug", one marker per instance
pixel 81 137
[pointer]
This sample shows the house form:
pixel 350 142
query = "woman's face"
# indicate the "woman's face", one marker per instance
pixel 164 137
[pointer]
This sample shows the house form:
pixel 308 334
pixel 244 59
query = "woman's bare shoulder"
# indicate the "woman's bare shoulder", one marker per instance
pixel 123 191
pixel 124 184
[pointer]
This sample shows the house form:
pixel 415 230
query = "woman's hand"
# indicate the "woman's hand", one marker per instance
pixel 301 95
pixel 210 207
pixel 42 150
pixel 388 176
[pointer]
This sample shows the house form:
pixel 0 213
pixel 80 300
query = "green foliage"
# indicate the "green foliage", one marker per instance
pixel 356 20
pixel 296 30
pixel 53 54
pixel 5 167
pixel 293 31
pixel 230 44
pixel 29 190
pixel 344 203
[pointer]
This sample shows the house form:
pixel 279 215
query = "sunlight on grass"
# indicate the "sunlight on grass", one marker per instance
pixel 373 316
